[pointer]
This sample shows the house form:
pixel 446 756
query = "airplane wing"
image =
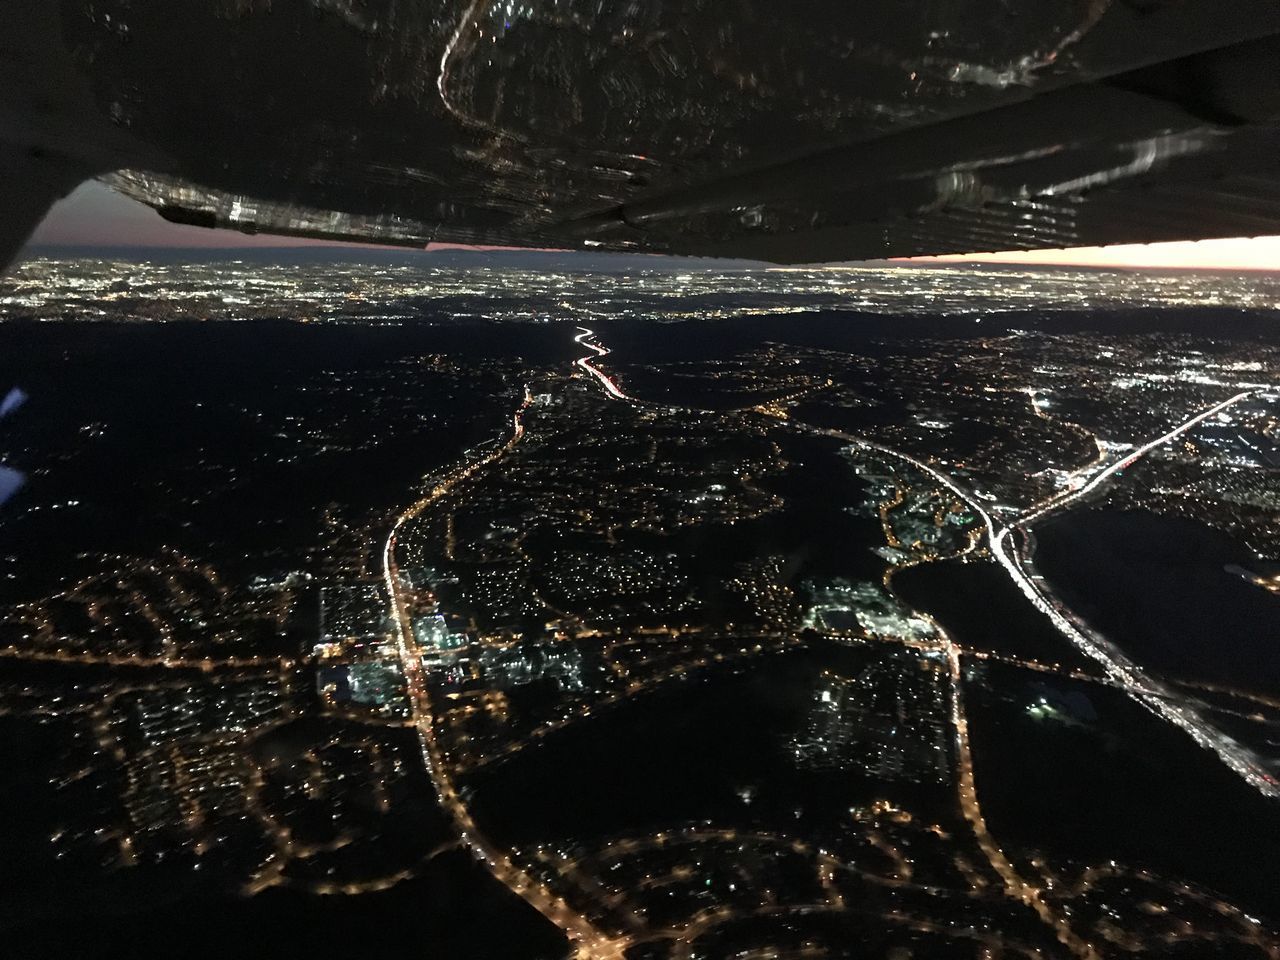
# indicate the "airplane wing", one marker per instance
pixel 814 130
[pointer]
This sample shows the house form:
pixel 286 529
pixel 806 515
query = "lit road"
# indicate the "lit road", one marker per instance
pixel 1157 696
pixel 633 690
pixel 588 942
pixel 967 790
pixel 1161 699
pixel 1064 499
pixel 585 338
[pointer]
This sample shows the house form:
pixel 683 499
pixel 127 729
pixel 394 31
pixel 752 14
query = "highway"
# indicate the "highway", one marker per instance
pixel 1158 697
pixel 588 364
pixel 1064 499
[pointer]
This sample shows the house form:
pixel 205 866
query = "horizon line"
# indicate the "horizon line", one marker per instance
pixel 948 261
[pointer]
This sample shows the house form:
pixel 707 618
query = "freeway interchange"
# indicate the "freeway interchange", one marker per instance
pixel 1010 547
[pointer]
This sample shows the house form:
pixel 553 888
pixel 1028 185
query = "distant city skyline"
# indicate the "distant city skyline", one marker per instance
pixel 95 215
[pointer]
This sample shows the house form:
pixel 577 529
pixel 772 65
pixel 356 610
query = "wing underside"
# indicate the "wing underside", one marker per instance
pixel 808 131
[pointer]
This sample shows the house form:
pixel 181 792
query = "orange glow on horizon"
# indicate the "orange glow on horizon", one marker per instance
pixel 1238 253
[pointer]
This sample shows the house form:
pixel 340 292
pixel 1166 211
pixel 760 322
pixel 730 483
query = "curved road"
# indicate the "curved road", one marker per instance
pixel 587 940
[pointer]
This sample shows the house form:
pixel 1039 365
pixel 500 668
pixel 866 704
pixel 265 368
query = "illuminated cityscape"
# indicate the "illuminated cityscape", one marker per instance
pixel 516 606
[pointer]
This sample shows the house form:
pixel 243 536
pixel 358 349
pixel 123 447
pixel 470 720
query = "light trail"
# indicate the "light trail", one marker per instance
pixel 588 364
pixel 1156 696
pixel 1064 499
pixel 469 23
